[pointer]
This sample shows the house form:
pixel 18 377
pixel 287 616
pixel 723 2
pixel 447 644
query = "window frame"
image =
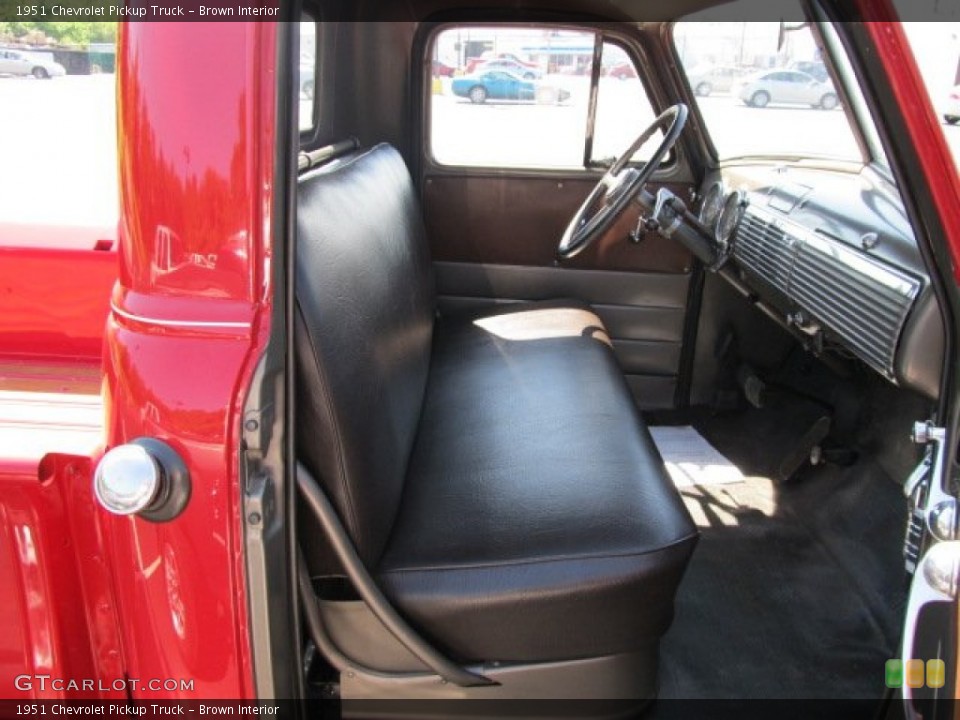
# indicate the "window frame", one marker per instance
pixel 589 162
pixel 673 166
pixel 308 136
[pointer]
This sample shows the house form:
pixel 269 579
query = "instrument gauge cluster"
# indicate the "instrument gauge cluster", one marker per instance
pixel 720 214
pixel 731 213
pixel 711 206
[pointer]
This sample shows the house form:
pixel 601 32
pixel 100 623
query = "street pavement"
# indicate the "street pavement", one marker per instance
pixel 58 156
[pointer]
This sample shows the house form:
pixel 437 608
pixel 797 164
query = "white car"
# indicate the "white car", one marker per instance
pixel 786 86
pixel 951 110
pixel 17 62
pixel 708 79
pixel 307 79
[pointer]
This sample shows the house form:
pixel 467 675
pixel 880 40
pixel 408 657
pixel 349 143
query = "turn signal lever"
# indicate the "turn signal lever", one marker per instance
pixel 670 218
pixel 668 213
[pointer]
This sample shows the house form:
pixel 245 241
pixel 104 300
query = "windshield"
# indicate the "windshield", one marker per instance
pixel 764 90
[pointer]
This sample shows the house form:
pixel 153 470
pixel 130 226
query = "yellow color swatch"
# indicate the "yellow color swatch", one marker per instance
pixel 936 673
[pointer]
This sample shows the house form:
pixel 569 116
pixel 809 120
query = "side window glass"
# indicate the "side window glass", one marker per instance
pixel 533 116
pixel 534 110
pixel 623 109
pixel 307 74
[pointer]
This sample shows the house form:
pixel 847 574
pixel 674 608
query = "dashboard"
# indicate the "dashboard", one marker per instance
pixel 832 257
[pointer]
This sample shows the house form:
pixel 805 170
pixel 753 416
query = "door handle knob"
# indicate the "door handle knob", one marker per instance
pixel 144 477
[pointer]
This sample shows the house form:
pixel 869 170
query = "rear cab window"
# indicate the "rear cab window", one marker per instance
pixel 307 75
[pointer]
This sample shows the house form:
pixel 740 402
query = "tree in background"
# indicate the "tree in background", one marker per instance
pixel 62 33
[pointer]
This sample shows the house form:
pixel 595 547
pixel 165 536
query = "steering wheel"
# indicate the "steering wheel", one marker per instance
pixel 620 184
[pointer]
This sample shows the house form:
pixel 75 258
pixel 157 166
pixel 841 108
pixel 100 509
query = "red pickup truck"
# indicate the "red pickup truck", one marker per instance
pixel 375 394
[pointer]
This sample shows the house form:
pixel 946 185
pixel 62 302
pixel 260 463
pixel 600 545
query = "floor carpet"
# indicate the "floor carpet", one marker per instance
pixel 795 590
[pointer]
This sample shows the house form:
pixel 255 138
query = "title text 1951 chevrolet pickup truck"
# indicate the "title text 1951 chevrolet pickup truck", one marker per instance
pixel 615 390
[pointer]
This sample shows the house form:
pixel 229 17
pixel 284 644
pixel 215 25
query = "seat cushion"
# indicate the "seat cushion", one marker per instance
pixel 537 522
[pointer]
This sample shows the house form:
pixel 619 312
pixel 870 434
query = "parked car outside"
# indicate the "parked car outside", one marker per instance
pixel 814 68
pixel 502 85
pixel 441 69
pixel 708 79
pixel 307 80
pixel 622 71
pixel 527 73
pixel 951 111
pixel 789 87
pixel 18 62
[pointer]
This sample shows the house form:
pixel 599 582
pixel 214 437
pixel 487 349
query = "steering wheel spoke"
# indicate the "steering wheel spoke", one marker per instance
pixel 620 184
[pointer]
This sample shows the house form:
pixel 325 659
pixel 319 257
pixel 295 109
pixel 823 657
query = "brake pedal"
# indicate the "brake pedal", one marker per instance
pixel 754 389
pixel 808 450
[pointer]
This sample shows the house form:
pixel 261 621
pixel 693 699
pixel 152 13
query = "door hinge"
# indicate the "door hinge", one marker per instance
pixel 932 508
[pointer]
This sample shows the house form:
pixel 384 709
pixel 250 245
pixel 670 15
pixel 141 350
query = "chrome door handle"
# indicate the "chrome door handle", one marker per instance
pixel 145 477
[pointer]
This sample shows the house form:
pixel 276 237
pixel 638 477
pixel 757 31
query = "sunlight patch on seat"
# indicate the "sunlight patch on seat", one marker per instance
pixel 544 324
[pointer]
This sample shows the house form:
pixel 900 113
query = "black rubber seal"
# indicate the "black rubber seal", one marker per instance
pixel 174 492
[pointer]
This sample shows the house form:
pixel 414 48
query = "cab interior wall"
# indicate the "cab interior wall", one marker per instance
pixel 368 97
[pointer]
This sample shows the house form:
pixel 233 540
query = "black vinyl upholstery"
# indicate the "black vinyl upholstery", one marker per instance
pixel 493 471
pixel 365 293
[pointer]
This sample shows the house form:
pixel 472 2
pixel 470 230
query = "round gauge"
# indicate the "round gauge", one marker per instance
pixel 711 206
pixel 730 216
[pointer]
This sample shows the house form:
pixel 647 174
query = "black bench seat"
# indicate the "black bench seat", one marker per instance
pixel 493 470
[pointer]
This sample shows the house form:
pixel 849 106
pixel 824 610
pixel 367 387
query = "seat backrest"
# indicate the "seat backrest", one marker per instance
pixel 365 313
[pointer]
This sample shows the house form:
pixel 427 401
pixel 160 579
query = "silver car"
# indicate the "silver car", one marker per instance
pixel 17 62
pixel 708 79
pixel 790 87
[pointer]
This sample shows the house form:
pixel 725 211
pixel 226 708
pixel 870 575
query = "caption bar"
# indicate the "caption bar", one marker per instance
pixel 139 10
pixel 143 12
pixel 140 710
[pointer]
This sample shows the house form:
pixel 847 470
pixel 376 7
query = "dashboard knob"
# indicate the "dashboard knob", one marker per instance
pixel 144 477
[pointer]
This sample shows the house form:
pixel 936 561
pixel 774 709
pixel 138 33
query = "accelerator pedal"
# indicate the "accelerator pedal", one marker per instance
pixel 808 450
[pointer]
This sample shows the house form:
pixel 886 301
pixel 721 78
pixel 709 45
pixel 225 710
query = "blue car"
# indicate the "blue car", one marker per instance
pixel 502 85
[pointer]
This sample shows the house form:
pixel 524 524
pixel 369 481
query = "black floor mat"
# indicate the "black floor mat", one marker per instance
pixel 794 591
